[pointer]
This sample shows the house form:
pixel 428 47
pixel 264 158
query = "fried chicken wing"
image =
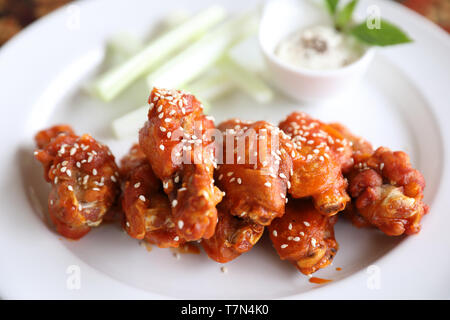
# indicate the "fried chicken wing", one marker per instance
pixel 321 154
pixel 360 147
pixel 304 236
pixel 177 144
pixel 387 192
pixel 233 236
pixel 255 171
pixel 84 178
pixel 147 208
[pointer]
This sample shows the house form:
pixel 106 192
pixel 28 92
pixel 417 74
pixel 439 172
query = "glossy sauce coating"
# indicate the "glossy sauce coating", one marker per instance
pixel 147 208
pixel 387 192
pixel 233 237
pixel 181 153
pixel 321 154
pixel 256 169
pixel 304 236
pixel 84 179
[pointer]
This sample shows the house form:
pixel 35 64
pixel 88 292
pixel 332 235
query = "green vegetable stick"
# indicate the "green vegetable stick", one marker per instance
pixel 202 54
pixel 116 80
pixel 246 80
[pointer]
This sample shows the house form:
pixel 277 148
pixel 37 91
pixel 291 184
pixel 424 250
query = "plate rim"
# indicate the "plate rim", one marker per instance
pixel 127 291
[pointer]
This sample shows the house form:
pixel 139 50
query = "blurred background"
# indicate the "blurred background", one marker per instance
pixel 17 14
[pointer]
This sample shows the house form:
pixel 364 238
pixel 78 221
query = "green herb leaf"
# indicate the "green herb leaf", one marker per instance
pixel 331 5
pixel 344 16
pixel 386 34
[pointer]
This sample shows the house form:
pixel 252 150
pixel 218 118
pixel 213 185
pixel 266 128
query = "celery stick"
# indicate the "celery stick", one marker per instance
pixel 246 80
pixel 129 124
pixel 210 86
pixel 202 54
pixel 116 80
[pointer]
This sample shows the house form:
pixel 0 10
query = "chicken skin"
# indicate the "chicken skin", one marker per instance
pixel 147 208
pixel 176 140
pixel 304 236
pixel 321 154
pixel 255 171
pixel 387 192
pixel 84 179
pixel 360 147
pixel 233 237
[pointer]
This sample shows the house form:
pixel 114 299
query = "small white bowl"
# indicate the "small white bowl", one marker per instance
pixel 283 17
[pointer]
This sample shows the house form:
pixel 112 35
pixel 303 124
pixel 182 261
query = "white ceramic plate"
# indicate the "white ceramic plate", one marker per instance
pixel 402 103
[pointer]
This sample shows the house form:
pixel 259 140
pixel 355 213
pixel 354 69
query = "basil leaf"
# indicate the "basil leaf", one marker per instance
pixel 332 5
pixel 386 35
pixel 344 16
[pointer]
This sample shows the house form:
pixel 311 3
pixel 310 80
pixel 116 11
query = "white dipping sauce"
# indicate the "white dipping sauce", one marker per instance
pixel 319 47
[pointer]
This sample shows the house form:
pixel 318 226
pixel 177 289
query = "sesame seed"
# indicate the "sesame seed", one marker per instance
pixel 283 246
pixel 174 203
pixel 239 180
pixel 94 172
pixel 381 166
pixel 268 184
pixel 70 188
pixel 313 242
pixel 161 147
pixel 78 164
pixel 290 226
pixel 282 176
pixel 72 151
pixel 113 179
pixel 176 238
pixel 162 129
pixel 306 223
pixel 275 233
pixel 69 173
pixel 180 224
pixel 63 169
pixel 137 185
pixel 296 239
pixel 142 198
pixel 176 179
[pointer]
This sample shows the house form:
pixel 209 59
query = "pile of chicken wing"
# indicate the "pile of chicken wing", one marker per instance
pixel 187 180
